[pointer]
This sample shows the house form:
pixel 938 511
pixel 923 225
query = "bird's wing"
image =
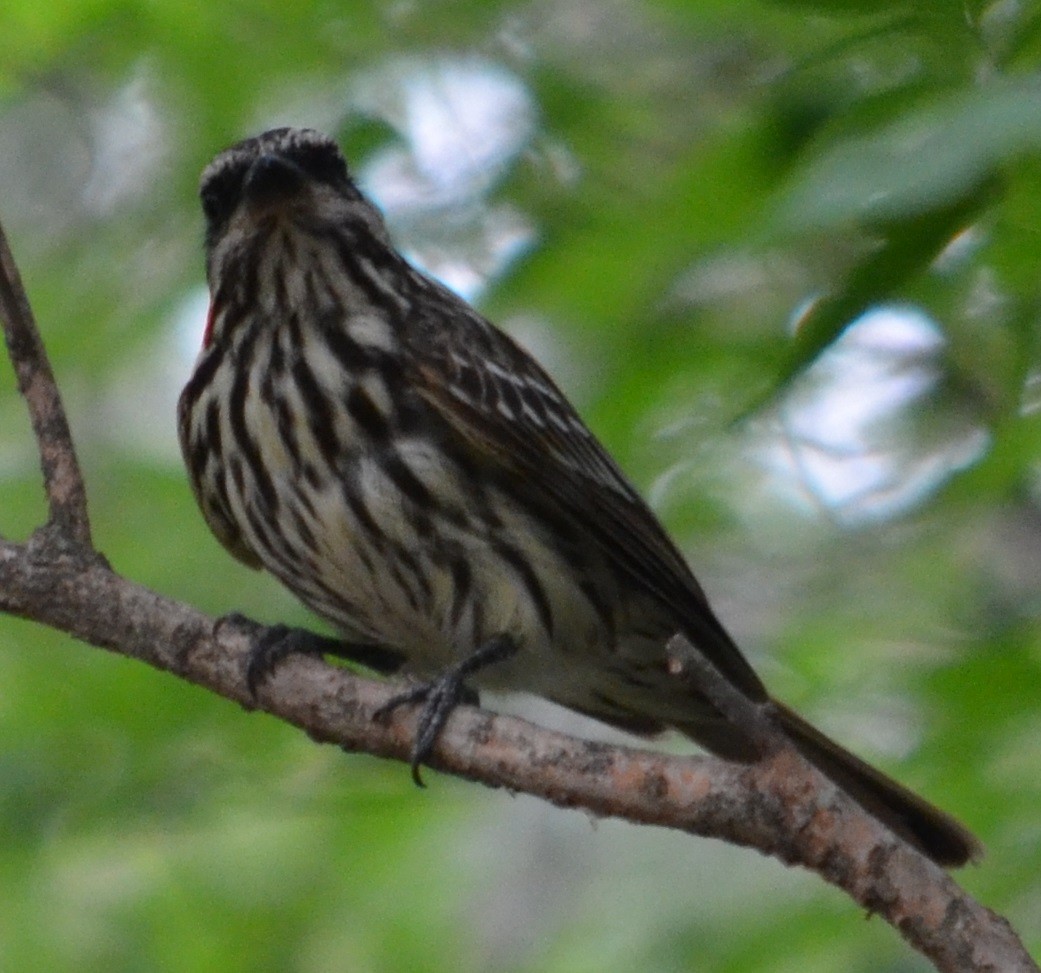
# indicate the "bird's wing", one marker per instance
pixel 510 412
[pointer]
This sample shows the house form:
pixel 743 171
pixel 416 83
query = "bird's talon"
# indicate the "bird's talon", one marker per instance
pixel 270 649
pixel 414 695
pixel 441 695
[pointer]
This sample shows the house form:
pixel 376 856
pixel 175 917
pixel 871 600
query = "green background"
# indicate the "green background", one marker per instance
pixel 699 201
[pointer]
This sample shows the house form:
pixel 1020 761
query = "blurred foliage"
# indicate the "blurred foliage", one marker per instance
pixel 784 256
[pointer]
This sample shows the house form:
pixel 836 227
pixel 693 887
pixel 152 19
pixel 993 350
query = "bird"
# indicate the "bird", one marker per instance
pixel 421 483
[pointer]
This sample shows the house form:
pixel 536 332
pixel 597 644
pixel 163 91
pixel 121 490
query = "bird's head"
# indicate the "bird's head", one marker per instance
pixel 286 178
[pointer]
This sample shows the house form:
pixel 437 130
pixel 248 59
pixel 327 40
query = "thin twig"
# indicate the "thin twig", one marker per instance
pixel 62 478
pixel 686 663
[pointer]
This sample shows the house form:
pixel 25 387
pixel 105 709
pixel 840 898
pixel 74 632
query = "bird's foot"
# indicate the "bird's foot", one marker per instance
pixel 442 694
pixel 277 642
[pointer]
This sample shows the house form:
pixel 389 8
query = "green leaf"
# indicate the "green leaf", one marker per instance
pixel 928 158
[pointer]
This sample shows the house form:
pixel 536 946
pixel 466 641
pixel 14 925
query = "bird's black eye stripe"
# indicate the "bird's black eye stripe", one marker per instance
pixel 220 193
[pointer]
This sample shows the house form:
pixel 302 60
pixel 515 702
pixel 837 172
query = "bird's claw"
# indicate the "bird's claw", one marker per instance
pixel 441 695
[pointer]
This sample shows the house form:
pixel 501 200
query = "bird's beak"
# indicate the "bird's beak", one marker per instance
pixel 272 178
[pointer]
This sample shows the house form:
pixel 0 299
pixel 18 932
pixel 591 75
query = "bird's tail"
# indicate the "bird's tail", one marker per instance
pixel 918 822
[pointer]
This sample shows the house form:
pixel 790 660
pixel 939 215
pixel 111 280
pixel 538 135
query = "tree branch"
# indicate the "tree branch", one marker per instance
pixel 62 479
pixel 780 806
